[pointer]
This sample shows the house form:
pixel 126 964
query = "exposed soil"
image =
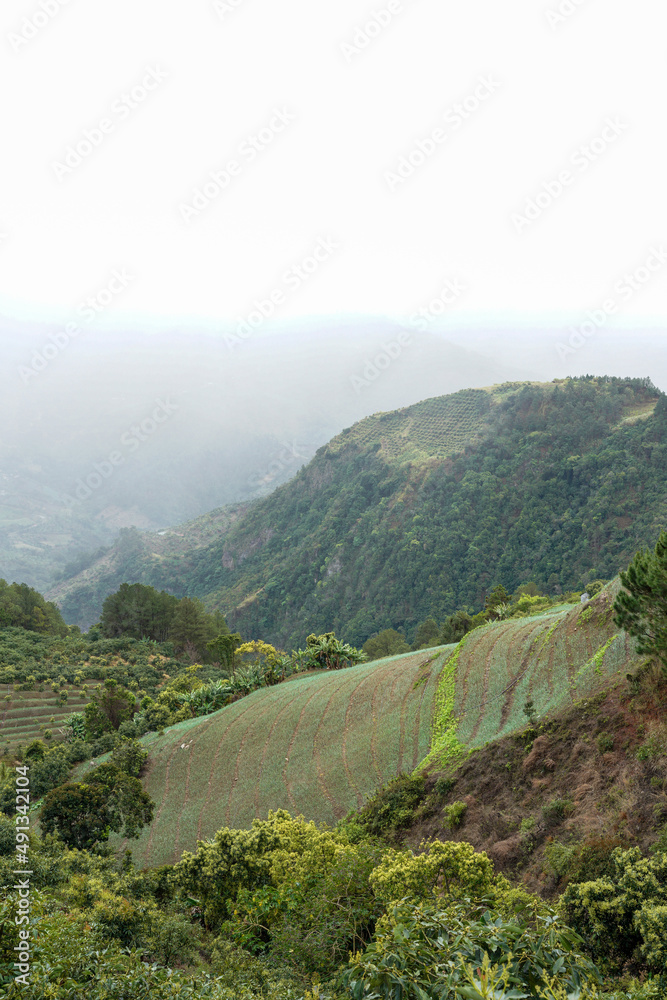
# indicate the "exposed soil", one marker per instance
pixel 587 760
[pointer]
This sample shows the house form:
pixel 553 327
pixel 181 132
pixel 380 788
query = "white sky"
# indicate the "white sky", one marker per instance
pixel 324 176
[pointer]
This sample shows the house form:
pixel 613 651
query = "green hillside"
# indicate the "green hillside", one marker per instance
pixel 418 512
pixel 317 745
pixel 321 745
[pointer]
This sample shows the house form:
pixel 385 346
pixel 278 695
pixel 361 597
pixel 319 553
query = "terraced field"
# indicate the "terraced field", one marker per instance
pixel 25 714
pixel 318 745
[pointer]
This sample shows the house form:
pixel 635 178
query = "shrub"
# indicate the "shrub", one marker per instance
pixel 556 810
pixel 453 814
pixel 422 951
pixel 605 742
pixel 624 916
pixel 393 807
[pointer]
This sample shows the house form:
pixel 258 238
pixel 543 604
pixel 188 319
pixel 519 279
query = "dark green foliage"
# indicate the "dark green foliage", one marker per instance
pixel 138 611
pixel 389 642
pixel 422 952
pixel 641 609
pixel 427 634
pixel 455 627
pixel 7 836
pixel 393 807
pixel 23 607
pixel 130 757
pixel 223 648
pixel 109 707
pixel 78 813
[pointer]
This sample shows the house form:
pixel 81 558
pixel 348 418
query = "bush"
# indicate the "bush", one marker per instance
pixel 422 951
pixel 624 916
pixel 393 807
pixel 453 814
pixel 556 810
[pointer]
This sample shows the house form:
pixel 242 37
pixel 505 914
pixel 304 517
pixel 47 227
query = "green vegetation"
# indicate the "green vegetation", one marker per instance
pixel 641 608
pixel 373 776
pixel 420 513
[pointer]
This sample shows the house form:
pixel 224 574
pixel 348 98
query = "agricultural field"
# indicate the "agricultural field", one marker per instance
pixel 554 660
pixel 436 427
pixel 26 715
pixel 318 746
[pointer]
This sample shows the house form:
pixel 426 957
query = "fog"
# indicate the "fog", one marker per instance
pixel 229 230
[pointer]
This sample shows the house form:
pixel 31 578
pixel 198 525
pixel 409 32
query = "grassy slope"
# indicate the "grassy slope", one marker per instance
pixel 554 660
pixel 318 745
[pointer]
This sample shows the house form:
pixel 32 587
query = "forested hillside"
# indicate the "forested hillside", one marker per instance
pixel 420 511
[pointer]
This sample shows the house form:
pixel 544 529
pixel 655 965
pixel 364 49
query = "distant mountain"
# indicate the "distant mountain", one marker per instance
pixel 119 429
pixel 420 511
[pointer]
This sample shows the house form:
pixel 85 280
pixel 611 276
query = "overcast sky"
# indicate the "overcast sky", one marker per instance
pixel 372 158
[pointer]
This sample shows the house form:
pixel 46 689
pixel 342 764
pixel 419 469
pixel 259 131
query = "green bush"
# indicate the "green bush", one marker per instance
pixel 556 810
pixel 422 951
pixel 605 742
pixel 453 814
pixel 393 807
pixel 624 916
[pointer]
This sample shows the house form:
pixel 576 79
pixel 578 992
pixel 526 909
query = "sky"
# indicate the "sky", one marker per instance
pixel 464 164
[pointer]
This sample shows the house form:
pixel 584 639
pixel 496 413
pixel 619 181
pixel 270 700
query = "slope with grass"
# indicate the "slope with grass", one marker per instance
pixel 321 744
pixel 317 745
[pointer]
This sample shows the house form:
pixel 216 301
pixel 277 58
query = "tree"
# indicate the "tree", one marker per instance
pixel 78 813
pixel 138 611
pixel 224 646
pixel 389 642
pixel 191 627
pixel 497 602
pixel 427 634
pixel 641 609
pixel 129 807
pixel 108 708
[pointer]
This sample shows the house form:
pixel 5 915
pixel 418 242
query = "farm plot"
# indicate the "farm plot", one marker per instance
pixel 26 715
pixel 553 660
pixel 317 747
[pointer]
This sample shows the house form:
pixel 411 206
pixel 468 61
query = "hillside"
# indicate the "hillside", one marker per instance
pixel 321 745
pixel 317 745
pixel 418 512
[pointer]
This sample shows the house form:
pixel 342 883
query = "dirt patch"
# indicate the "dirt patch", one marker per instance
pixel 591 773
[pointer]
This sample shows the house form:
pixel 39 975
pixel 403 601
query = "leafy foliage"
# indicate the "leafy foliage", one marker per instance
pixel 641 608
pixel 423 951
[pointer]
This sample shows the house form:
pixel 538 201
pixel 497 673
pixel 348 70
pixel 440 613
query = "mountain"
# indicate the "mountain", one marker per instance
pixel 192 423
pixel 418 512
